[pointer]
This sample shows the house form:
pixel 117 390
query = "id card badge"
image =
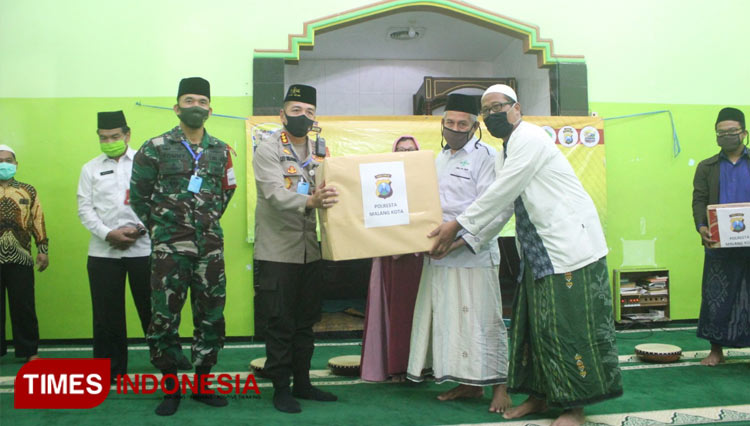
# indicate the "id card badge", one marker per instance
pixel 195 184
pixel 127 197
pixel 303 188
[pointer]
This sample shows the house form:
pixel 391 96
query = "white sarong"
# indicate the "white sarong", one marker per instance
pixel 458 319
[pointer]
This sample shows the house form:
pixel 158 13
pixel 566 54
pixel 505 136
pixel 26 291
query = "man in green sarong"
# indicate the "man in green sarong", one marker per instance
pixel 563 350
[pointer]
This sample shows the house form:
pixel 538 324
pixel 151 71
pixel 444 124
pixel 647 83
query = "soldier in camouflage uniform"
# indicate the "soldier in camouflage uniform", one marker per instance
pixel 287 252
pixel 181 185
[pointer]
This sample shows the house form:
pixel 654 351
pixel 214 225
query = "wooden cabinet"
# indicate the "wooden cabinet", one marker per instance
pixel 641 295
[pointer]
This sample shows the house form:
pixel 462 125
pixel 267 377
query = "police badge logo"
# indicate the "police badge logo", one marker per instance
pixel 383 187
pixel 737 222
pixel 568 136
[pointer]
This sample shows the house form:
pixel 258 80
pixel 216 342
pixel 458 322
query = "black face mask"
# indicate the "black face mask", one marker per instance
pixel 193 117
pixel 298 125
pixel 729 143
pixel 498 125
pixel 456 140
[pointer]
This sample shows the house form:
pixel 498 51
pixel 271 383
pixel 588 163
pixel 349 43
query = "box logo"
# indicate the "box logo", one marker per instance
pixel 383 187
pixel 737 222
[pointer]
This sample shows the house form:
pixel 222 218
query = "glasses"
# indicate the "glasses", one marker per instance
pixel 495 107
pixel 405 149
pixel 729 132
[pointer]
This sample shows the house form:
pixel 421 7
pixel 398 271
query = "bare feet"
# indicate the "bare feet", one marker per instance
pixel 462 391
pixel 500 399
pixel 715 357
pixel 572 417
pixel 530 406
pixel 398 378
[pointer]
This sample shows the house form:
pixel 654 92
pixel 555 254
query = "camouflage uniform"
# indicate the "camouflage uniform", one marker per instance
pixel 187 241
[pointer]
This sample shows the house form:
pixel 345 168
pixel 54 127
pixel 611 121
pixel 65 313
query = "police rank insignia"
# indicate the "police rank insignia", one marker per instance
pixel 287 152
pixel 383 186
pixel 737 222
pixel 287 182
pixel 291 170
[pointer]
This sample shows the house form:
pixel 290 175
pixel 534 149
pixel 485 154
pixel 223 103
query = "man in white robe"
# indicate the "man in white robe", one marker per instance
pixel 458 306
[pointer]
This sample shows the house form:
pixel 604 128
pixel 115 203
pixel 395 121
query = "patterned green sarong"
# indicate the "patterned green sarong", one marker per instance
pixel 563 338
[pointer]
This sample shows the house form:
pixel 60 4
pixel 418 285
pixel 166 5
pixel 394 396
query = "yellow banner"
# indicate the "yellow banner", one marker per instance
pixel 581 139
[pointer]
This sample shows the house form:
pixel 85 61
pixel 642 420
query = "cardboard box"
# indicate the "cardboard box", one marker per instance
pixel 728 224
pixel 388 203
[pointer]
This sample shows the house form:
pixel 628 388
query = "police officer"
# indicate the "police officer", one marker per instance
pixel 287 252
pixel 181 185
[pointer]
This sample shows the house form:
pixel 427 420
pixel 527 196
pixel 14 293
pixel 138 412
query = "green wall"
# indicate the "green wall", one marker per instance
pixel 64 61
pixel 649 191
pixel 53 138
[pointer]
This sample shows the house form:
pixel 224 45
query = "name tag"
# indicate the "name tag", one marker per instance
pixel 303 188
pixel 195 184
pixel 106 172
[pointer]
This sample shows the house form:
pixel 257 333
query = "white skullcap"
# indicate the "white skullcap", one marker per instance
pixel 501 88
pixel 7 148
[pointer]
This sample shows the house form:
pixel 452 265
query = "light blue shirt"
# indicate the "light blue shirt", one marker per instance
pixel 462 177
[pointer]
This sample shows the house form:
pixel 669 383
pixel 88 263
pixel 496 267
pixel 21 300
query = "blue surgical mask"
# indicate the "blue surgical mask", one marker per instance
pixel 7 171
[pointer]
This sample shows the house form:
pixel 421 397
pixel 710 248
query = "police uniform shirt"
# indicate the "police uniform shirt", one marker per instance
pixel 284 228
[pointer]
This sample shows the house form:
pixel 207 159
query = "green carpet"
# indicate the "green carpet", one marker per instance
pixel 684 385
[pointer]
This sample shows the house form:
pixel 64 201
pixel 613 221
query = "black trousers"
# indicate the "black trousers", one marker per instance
pixel 107 282
pixel 18 281
pixel 289 296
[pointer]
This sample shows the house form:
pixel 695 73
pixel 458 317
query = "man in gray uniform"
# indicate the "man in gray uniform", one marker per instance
pixel 287 252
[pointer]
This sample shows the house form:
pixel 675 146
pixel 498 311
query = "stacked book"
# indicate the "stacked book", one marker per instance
pixel 657 285
pixel 630 288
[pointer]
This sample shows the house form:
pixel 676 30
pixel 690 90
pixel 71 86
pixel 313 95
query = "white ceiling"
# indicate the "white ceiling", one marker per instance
pixel 445 38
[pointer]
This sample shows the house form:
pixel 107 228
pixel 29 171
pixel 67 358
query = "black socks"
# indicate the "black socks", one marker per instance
pixel 283 401
pixel 211 399
pixel 314 394
pixel 171 402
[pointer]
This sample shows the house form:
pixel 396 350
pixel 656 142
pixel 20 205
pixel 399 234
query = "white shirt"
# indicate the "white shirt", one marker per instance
pixel 561 211
pixel 103 204
pixel 462 177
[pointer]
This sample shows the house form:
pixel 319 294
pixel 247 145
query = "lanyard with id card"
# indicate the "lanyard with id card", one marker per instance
pixel 303 187
pixel 195 181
